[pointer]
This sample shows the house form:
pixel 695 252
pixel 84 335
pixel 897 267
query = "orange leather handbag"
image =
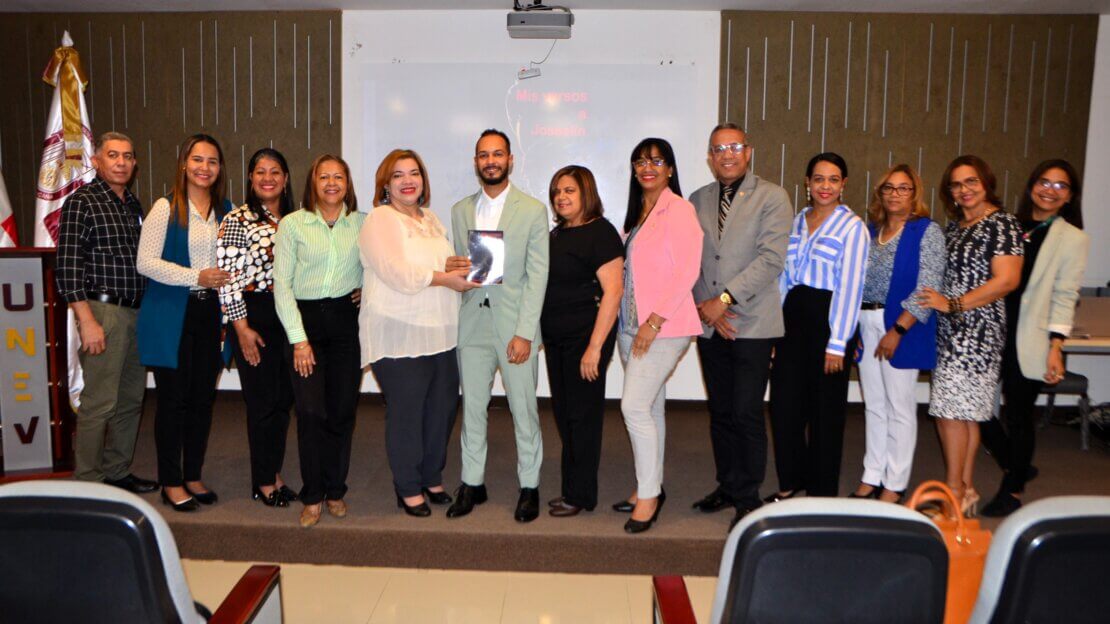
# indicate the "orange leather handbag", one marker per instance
pixel 967 545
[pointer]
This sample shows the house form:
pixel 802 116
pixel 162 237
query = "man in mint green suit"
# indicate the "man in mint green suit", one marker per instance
pixel 499 324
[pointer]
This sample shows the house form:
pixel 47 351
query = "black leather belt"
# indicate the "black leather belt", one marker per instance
pixel 203 294
pixel 104 297
pixel 871 305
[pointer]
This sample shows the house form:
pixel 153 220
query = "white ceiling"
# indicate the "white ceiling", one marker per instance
pixel 876 6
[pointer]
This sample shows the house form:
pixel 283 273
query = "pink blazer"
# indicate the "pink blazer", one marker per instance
pixel 666 261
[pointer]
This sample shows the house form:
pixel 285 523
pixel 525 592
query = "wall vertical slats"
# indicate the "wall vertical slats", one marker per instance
pixel 909 88
pixel 164 76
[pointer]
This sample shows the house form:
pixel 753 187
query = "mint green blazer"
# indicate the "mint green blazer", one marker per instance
pixel 516 304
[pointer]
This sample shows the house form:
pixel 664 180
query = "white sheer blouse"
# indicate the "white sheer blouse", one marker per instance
pixel 402 315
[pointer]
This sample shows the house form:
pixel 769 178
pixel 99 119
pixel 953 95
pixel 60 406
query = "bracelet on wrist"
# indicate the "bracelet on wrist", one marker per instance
pixel 657 328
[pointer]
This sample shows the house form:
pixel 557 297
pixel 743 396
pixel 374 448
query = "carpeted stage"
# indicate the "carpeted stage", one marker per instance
pixel 376 533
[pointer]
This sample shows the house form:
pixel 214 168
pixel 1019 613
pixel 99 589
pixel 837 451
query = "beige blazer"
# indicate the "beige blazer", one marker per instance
pixel 1048 303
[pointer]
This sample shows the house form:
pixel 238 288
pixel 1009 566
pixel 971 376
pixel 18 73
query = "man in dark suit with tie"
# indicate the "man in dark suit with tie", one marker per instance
pixel 746 224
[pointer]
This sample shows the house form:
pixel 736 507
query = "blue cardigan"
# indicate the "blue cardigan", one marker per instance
pixel 918 348
pixel 162 315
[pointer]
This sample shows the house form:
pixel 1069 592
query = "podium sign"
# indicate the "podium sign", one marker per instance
pixel 24 380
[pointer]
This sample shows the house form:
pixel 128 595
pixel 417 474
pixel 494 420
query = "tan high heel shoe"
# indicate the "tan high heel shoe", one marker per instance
pixel 970 503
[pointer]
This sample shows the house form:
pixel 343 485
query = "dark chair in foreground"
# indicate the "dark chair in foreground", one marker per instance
pixel 823 560
pixel 88 552
pixel 1049 562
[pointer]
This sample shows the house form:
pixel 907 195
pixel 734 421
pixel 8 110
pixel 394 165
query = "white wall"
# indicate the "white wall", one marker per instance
pixel 468 38
pixel 1096 216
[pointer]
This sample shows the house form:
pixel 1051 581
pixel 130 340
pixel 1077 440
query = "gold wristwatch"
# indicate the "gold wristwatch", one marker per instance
pixel 727 298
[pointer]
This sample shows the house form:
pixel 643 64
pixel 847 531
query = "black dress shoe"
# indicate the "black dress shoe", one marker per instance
pixel 528 505
pixel 273 499
pixel 776 497
pixel 741 511
pixel 714 501
pixel 466 497
pixel 189 504
pixel 420 511
pixel 637 526
pixel 1003 504
pixel 134 484
pixel 288 494
pixel 438 498
pixel 204 498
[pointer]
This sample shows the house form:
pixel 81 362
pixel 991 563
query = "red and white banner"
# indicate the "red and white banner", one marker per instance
pixel 8 235
pixel 66 166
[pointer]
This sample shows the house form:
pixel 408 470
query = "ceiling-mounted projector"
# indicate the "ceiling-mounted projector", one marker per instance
pixel 540 22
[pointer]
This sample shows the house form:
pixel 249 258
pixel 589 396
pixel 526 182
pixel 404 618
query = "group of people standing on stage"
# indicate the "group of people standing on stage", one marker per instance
pixel 316 291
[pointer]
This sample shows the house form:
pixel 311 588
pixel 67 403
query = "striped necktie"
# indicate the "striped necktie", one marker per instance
pixel 722 213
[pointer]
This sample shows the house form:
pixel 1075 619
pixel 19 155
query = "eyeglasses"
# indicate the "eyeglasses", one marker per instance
pixel 735 148
pixel 1056 186
pixel 971 184
pixel 643 162
pixel 903 190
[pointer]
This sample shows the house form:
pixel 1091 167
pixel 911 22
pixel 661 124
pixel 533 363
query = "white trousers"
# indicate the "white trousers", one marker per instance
pixel 643 406
pixel 891 411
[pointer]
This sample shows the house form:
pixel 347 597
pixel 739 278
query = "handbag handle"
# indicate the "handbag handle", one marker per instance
pixel 939 491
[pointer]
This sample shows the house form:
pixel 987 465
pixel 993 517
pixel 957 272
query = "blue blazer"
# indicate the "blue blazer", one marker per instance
pixel 918 348
pixel 162 315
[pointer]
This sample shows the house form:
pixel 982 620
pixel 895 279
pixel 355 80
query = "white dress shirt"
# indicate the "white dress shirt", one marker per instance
pixel 487 214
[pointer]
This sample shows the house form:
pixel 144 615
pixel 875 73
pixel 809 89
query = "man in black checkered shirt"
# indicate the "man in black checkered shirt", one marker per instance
pixel 98 238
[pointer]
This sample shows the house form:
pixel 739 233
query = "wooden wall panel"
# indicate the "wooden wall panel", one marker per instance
pixel 251 79
pixel 883 89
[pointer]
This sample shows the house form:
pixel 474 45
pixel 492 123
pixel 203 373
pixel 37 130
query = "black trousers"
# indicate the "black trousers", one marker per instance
pixel 326 399
pixel 1011 437
pixel 266 389
pixel 579 408
pixel 807 406
pixel 735 374
pixel 422 402
pixel 186 393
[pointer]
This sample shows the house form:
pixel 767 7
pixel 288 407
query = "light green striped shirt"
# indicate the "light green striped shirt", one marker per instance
pixel 313 261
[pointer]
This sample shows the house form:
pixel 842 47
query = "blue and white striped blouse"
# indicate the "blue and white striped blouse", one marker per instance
pixel 833 258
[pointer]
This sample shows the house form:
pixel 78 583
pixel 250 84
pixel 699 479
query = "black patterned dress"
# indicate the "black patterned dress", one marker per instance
pixel 969 344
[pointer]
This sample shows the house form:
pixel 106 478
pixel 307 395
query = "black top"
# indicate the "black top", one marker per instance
pixel 1033 237
pixel 98 240
pixel 573 291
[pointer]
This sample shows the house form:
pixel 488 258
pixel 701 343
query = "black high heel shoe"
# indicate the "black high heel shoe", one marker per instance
pixel 438 498
pixel 626 506
pixel 286 493
pixel 274 499
pixel 876 490
pixel 204 498
pixel 776 497
pixel 189 504
pixel 420 511
pixel 637 526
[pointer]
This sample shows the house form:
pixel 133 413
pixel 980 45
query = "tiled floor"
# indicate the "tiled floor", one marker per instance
pixel 342 595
